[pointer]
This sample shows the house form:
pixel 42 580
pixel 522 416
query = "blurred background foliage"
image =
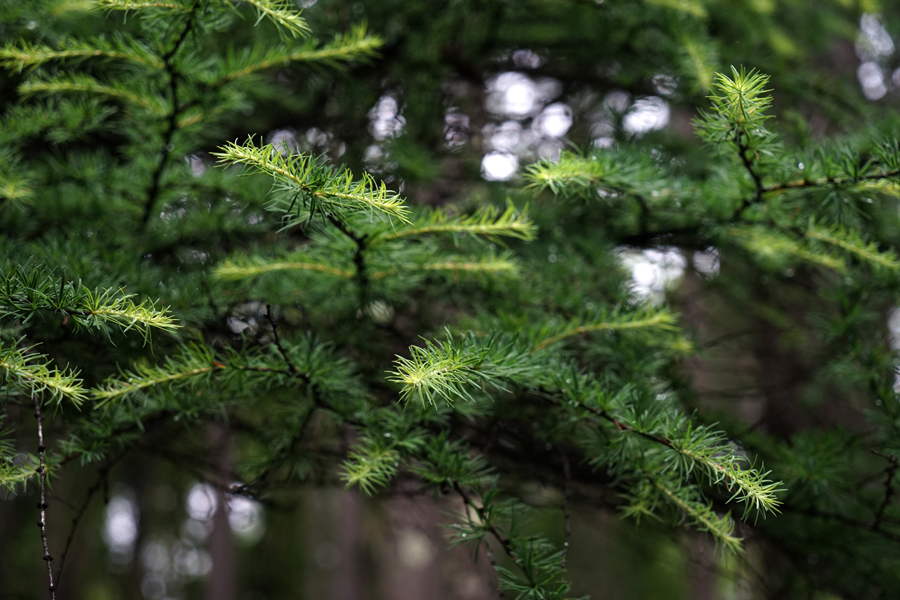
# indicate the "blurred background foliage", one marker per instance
pixel 461 96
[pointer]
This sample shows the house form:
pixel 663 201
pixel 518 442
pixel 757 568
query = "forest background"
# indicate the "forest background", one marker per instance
pixel 769 314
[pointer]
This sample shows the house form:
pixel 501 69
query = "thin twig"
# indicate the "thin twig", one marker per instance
pixel 888 488
pixel 565 506
pixel 243 488
pixel 295 371
pixel 172 119
pixel 712 342
pixel 812 512
pixel 507 547
pixel 747 161
pixel 281 349
pixel 359 260
pixel 210 300
pixel 100 483
pixel 620 425
pixel 43 503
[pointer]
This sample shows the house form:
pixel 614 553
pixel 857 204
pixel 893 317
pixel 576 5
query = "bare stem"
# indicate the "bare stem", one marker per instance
pixel 565 506
pixel 171 120
pixel 359 260
pixel 292 369
pixel 100 483
pixel 888 488
pixel 42 472
pixel 744 151
pixel 469 504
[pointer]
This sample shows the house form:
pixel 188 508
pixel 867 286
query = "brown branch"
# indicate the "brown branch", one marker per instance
pixel 849 521
pixel 488 551
pixel 245 489
pixel 292 368
pixel 97 485
pixel 621 426
pixel 747 161
pixel 172 118
pixel 359 260
pixel 565 506
pixel 888 488
pixel 211 301
pixel 507 547
pixel 685 236
pixel 43 503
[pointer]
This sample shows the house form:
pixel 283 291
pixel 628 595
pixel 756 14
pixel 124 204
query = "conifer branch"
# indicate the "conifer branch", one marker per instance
pixel 600 171
pixel 321 186
pixel 484 222
pixel 450 369
pixel 447 465
pixel 702 515
pixel 13 476
pixel 503 264
pixel 283 13
pixel 145 377
pixel 34 376
pixel 738 121
pixel 659 320
pixel 24 293
pixel 195 366
pixel 16 182
pixel 541 568
pixel 698 60
pixel 139 5
pixel 706 449
pixel 355 45
pixel 254 266
pixel 602 174
pixel 485 520
pixel 120 48
pixel 774 249
pixel 371 469
pixel 742 98
pixel 853 244
pixel 13 473
pixel 80 83
pixel 437 372
pixel 710 451
pixel 620 403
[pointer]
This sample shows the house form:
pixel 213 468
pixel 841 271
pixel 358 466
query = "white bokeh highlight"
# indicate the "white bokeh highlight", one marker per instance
pixel 385 120
pixel 706 262
pixel 646 114
pixel 652 270
pixel 121 526
pixel 499 166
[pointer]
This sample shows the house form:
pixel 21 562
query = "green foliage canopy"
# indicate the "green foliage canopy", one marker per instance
pixel 280 288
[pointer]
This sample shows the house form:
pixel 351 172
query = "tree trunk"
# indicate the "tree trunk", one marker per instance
pixel 223 580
